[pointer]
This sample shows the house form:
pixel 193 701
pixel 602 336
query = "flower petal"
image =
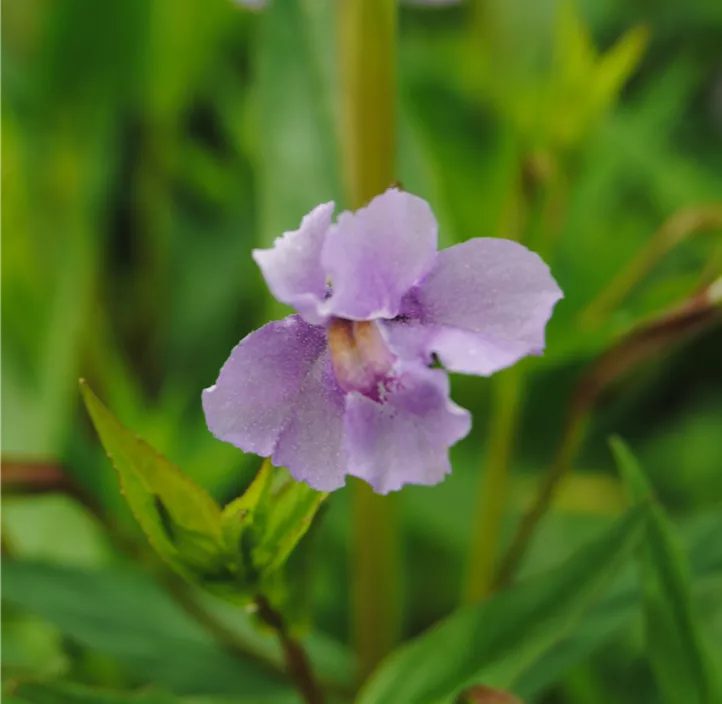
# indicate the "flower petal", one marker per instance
pixel 405 439
pixel 260 384
pixel 462 351
pixel 292 268
pixel 311 444
pixel 485 305
pixel 375 255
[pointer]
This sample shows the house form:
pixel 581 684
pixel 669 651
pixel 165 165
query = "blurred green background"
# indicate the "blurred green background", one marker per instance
pixel 149 145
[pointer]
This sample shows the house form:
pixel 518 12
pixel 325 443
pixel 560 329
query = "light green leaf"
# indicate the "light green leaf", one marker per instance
pixel 615 67
pixel 239 515
pixel 675 643
pixel 126 616
pixel 182 522
pixel 266 523
pixel 496 642
pixel 293 506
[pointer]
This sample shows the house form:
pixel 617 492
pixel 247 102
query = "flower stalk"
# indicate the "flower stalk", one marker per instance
pixel 647 340
pixel 297 664
pixel 492 501
pixel 367 52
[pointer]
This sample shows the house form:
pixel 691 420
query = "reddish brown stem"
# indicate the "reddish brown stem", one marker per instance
pixel 297 664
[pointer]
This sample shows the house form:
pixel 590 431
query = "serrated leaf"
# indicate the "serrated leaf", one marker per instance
pixel 181 521
pixel 241 513
pixel 675 643
pixel 293 507
pixel 497 641
pixel 265 524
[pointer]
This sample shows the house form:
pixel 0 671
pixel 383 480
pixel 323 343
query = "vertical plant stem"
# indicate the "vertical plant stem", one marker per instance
pixel 368 61
pixel 685 320
pixel 569 444
pixel 367 52
pixel 297 664
pixel 375 575
pixel 494 486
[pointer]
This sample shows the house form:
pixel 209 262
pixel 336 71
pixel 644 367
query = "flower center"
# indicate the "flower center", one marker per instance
pixel 361 359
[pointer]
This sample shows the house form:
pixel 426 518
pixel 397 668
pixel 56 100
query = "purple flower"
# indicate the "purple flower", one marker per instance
pixel 345 386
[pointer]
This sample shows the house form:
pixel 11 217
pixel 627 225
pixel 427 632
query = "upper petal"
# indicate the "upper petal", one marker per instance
pixel 485 304
pixel 375 255
pixel 405 439
pixel 259 386
pixel 292 268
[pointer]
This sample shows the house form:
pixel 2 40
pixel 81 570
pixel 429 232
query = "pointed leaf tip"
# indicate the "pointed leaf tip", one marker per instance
pixel 182 522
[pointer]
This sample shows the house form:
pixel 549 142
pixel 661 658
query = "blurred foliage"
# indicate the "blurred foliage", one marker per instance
pixel 150 145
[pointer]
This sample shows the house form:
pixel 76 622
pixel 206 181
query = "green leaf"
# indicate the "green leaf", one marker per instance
pixel 618 609
pixel 675 643
pixel 182 522
pixel 125 615
pixel 615 67
pixel 297 159
pixel 265 524
pixel 292 508
pixel 71 693
pixel 496 642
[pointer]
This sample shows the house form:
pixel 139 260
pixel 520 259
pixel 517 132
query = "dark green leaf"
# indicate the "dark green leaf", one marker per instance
pixel 70 693
pixel 496 642
pixel 126 616
pixel 675 643
pixel 619 607
pixel 297 159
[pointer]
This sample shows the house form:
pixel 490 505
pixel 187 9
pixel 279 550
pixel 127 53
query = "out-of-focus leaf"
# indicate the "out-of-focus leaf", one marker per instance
pixel 69 693
pixel 182 41
pixel 53 528
pixel 485 695
pixel 495 642
pixel 619 607
pixel 297 156
pixel 583 84
pixel 31 646
pixel 675 642
pixel 615 67
pixel 126 616
pixel 182 522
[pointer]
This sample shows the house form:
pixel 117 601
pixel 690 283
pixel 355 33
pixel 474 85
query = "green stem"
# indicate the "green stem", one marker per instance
pixel 368 60
pixel 569 444
pixel 375 577
pixel 298 665
pixel 367 52
pixel 494 486
pixel 678 228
